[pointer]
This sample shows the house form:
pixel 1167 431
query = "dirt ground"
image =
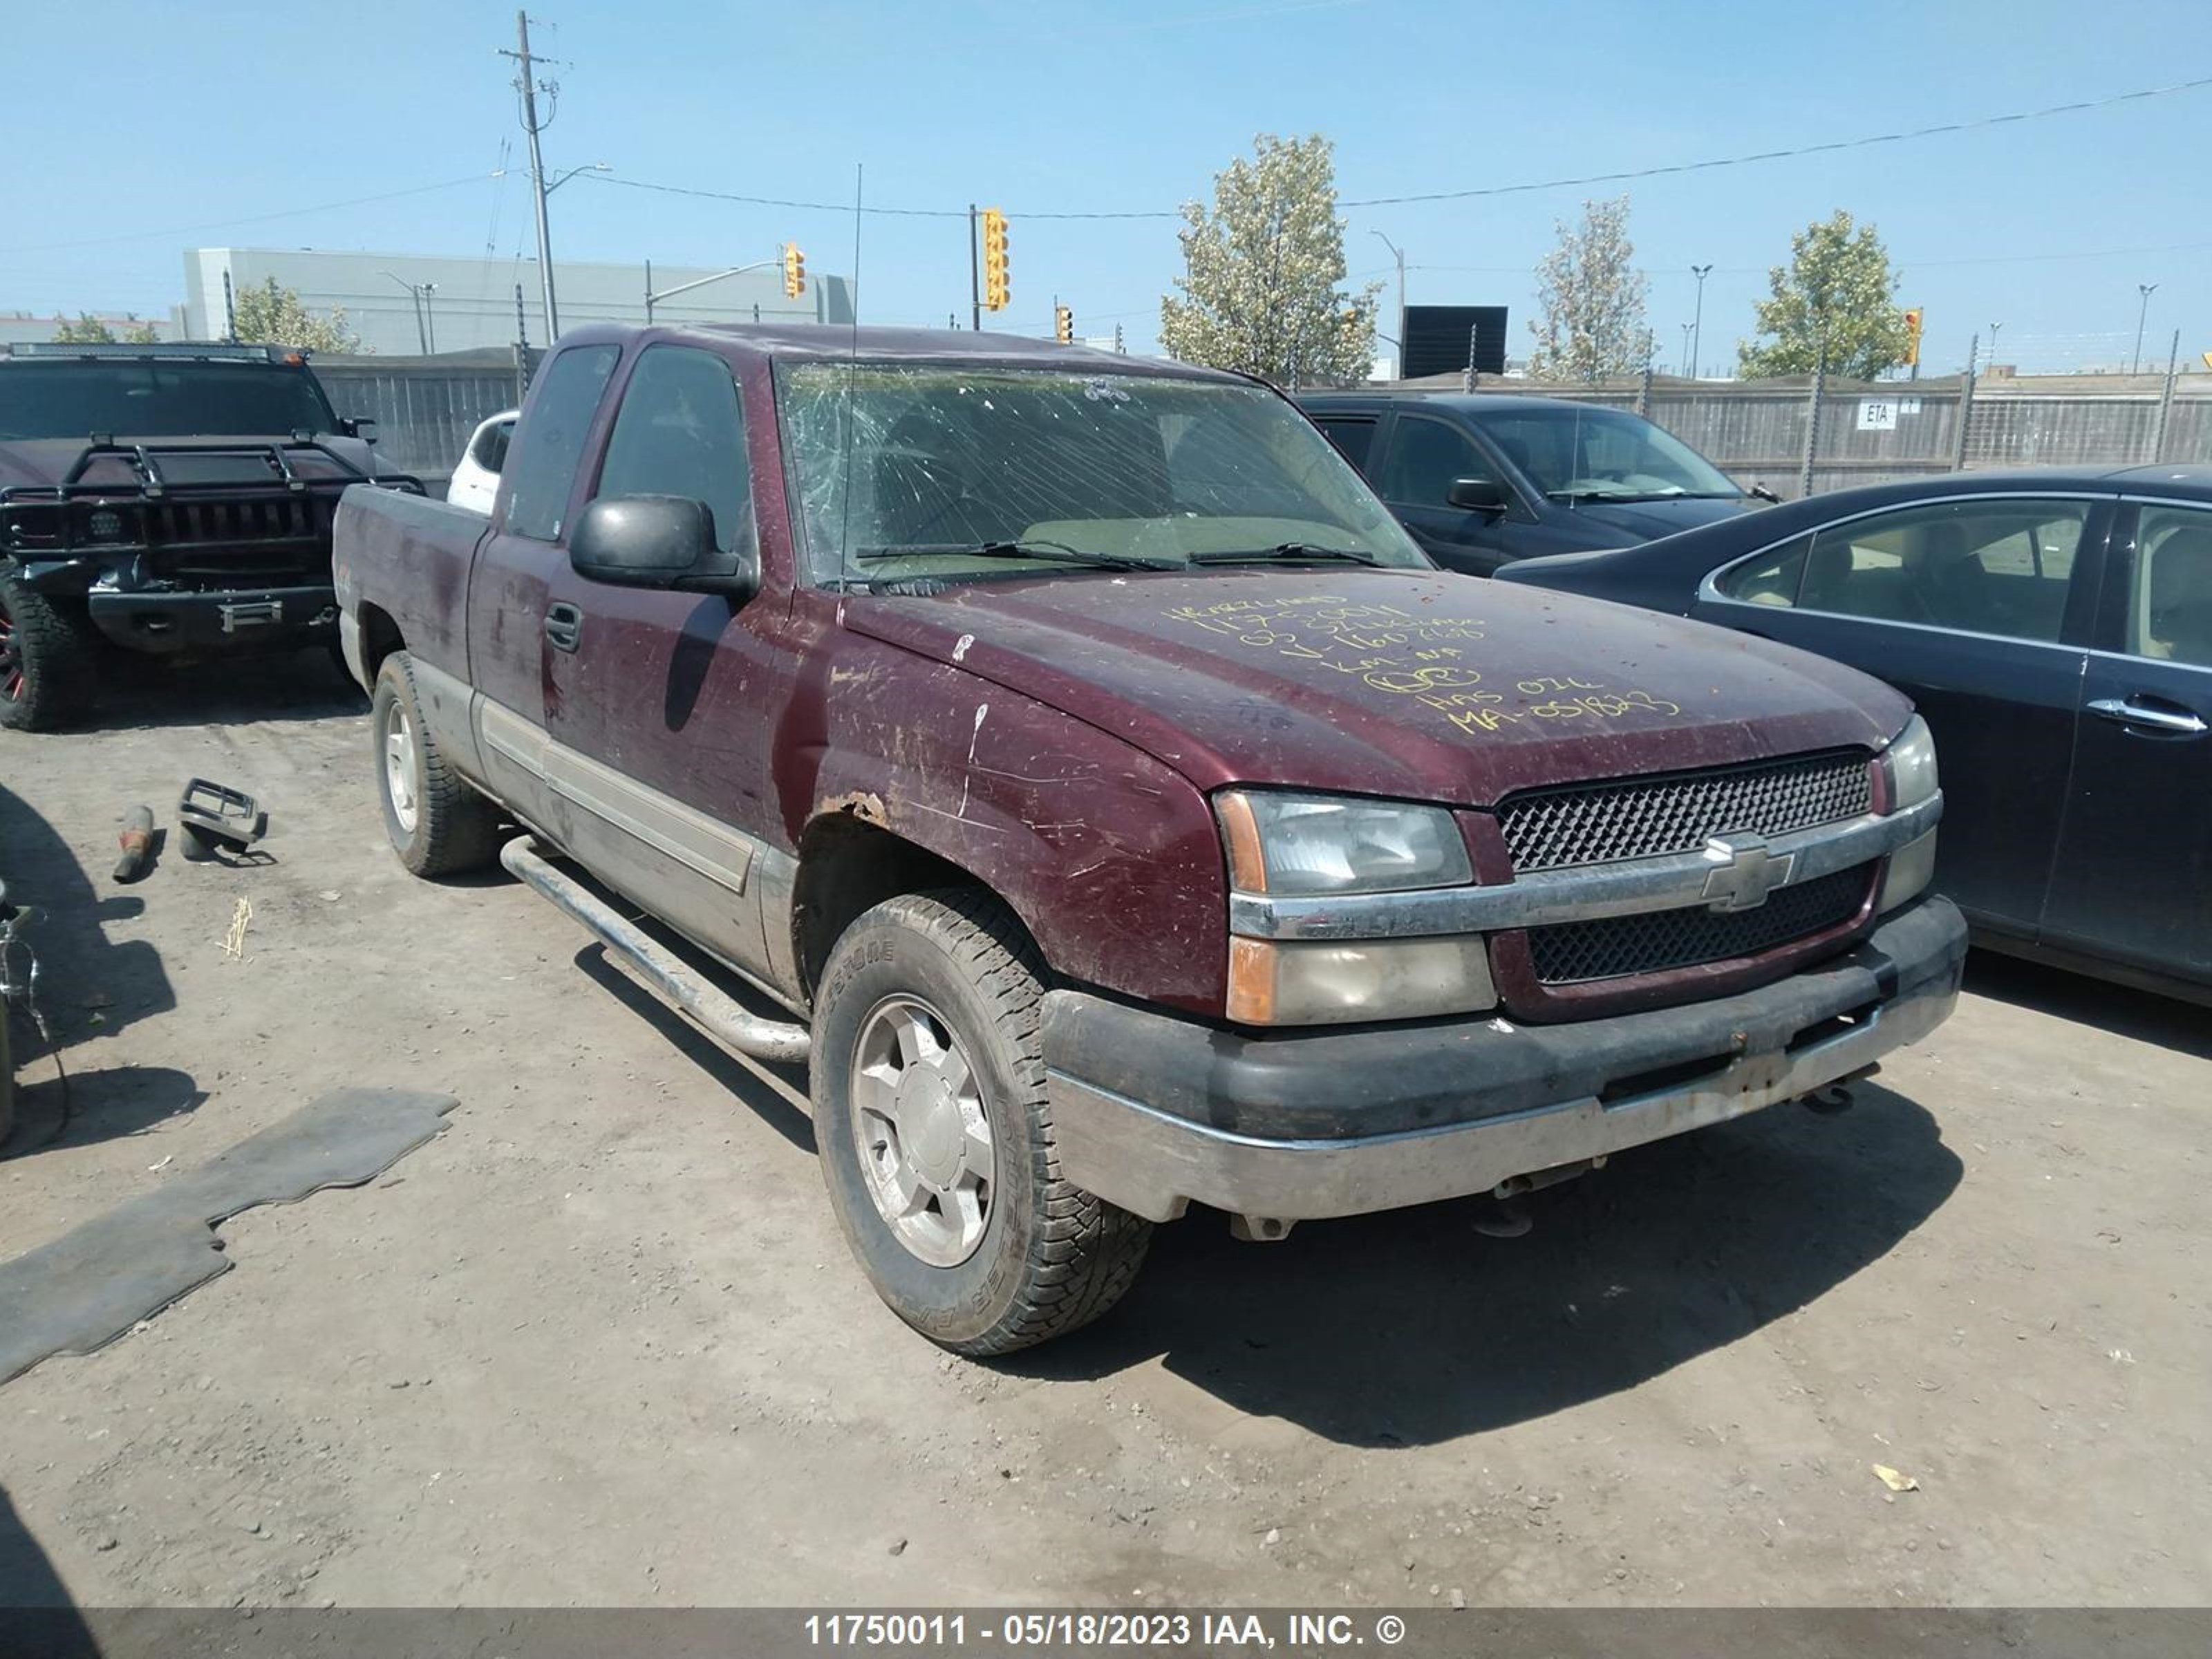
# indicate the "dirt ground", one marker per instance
pixel 600 1342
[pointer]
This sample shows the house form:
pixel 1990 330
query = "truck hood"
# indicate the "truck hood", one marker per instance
pixel 1408 684
pixel 47 461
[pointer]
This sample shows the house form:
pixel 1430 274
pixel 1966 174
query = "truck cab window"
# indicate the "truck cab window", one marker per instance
pixel 552 441
pixel 1354 435
pixel 1424 458
pixel 681 432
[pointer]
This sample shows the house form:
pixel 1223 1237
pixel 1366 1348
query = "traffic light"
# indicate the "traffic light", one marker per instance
pixel 1912 337
pixel 1063 324
pixel 996 293
pixel 794 270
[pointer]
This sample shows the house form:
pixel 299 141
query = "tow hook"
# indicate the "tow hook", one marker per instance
pixel 1833 1099
pixel 1506 1220
pixel 1260 1228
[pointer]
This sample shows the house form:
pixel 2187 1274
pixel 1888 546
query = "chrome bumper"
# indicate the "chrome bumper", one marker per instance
pixel 1785 1044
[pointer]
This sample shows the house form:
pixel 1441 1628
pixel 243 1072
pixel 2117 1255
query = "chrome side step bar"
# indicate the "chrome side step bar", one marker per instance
pixel 672 980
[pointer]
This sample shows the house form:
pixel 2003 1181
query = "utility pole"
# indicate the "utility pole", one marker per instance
pixel 521 349
pixel 974 280
pixel 1686 370
pixel 1697 327
pixel 529 87
pixel 415 297
pixel 229 311
pixel 2142 314
pixel 1994 327
pixel 1399 254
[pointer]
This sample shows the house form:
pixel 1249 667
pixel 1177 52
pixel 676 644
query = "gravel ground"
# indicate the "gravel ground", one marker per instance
pixel 600 1342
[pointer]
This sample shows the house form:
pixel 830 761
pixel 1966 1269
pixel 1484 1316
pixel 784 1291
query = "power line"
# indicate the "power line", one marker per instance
pixel 775 201
pixel 1782 155
pixel 1471 193
pixel 257 219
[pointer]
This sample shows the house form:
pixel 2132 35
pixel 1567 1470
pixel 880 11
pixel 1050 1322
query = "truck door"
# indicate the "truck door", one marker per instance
pixel 660 745
pixel 2134 876
pixel 515 627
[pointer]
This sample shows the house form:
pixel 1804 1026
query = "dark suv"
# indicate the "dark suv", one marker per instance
pixel 1481 479
pixel 164 498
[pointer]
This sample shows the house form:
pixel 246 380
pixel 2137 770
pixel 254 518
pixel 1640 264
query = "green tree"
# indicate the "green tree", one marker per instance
pixel 86 330
pixel 270 315
pixel 1589 298
pixel 1262 270
pixel 1837 299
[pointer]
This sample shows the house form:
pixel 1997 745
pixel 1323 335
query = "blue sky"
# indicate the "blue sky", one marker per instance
pixel 174 119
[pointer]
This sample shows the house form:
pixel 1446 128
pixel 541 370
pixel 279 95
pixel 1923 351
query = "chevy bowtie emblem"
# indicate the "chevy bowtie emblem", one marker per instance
pixel 1747 873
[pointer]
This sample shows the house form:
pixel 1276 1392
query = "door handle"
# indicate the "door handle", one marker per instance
pixel 564 626
pixel 2168 719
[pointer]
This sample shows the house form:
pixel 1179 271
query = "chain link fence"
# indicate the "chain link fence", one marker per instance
pixel 1804 434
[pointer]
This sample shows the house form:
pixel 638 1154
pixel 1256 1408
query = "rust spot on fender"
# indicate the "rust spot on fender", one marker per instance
pixel 868 808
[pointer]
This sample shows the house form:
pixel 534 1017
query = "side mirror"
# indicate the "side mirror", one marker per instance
pixel 659 541
pixel 1477 494
pixel 362 426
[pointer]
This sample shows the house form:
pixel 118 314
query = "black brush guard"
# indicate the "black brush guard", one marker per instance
pixel 177 563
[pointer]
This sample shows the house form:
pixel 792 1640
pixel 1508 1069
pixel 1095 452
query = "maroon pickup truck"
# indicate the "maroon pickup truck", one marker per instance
pixel 1121 810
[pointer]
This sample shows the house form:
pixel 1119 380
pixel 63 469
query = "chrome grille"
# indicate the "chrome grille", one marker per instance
pixel 1648 818
pixel 1616 947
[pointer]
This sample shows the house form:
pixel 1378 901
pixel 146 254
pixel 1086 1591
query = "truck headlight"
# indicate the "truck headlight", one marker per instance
pixel 1910 764
pixel 1304 846
pixel 1334 981
pixel 1911 867
pixel 1286 845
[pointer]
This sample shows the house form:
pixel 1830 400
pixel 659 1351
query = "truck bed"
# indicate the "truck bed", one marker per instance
pixel 408 557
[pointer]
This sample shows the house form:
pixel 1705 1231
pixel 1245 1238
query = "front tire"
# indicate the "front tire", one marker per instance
pixel 438 824
pixel 47 652
pixel 936 1136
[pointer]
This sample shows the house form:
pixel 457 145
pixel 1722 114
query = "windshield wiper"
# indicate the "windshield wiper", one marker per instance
pixel 1622 494
pixel 1287 551
pixel 1019 549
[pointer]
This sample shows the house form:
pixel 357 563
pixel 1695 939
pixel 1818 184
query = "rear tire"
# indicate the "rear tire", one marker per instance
pixel 48 649
pixel 438 824
pixel 936 1135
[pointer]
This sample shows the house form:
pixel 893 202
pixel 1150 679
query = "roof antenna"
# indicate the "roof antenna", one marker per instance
pixel 852 365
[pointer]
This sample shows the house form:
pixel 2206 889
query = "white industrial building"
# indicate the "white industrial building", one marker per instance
pixel 411 304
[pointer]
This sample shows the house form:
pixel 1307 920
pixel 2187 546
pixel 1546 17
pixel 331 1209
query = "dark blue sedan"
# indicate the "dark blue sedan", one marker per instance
pixel 2055 629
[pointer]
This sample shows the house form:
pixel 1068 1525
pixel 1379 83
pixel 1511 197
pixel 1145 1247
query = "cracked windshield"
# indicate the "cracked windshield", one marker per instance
pixel 952 472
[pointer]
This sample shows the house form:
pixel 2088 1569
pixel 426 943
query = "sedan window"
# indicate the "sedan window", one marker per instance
pixel 2000 566
pixel 2170 612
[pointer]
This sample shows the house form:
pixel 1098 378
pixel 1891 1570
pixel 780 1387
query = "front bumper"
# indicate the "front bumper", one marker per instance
pixel 224 621
pixel 1151 1111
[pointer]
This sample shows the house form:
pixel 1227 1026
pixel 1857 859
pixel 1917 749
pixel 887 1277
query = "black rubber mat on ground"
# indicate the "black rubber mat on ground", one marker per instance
pixel 98 1279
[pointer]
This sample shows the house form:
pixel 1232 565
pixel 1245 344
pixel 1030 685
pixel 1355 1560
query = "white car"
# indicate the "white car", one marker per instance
pixel 475 480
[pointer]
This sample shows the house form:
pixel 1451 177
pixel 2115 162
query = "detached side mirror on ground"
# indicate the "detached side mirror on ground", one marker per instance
pixel 660 541
pixel 1477 494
